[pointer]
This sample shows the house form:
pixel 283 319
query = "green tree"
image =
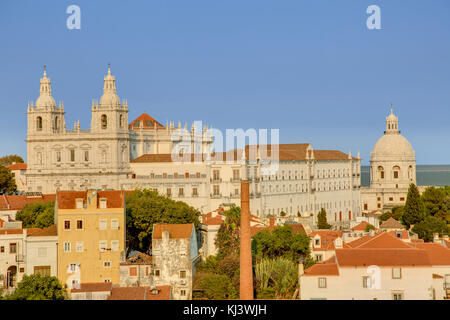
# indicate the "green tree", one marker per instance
pixel 369 227
pixel 396 213
pixel 37 287
pixel 430 225
pixel 10 159
pixel 281 242
pixel 7 182
pixel 215 286
pixel 144 208
pixel 322 222
pixel 37 215
pixel 434 201
pixel 228 237
pixel 414 211
pixel 276 278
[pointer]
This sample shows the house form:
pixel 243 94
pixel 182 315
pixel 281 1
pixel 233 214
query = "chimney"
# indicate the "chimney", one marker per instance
pixel 246 272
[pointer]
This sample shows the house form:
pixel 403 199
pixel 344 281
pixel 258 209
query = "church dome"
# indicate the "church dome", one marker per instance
pixel 392 145
pixel 109 97
pixel 45 98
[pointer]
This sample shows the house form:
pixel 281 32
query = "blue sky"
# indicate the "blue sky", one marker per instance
pixel 310 68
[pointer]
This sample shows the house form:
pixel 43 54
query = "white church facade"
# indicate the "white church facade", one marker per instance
pixel 392 170
pixel 114 154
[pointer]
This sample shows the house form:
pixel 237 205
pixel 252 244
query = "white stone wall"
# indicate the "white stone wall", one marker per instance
pixel 40 252
pixel 416 284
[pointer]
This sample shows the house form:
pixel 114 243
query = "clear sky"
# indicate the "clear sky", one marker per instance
pixel 310 68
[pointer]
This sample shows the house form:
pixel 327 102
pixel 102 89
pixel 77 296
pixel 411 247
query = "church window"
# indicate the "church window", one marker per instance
pixel 86 155
pixel 396 170
pixel 121 121
pixel 104 121
pixel 39 158
pixel 381 172
pixel 58 156
pixel 72 155
pixel 56 124
pixel 39 123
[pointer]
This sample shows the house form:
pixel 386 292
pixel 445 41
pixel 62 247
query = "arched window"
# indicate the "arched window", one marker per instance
pixel 39 123
pixel 396 172
pixel 121 121
pixel 56 124
pixel 410 172
pixel 104 121
pixel 381 172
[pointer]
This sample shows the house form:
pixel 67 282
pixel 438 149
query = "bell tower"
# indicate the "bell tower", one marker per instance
pixel 45 117
pixel 109 116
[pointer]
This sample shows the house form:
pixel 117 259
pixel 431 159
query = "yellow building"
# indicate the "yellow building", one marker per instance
pixel 91 236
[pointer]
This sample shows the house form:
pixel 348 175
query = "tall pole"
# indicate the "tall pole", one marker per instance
pixel 246 272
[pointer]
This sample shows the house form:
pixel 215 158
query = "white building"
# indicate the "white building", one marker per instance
pixel 27 251
pixel 306 181
pixel 18 172
pixel 392 170
pixel 95 158
pixel 380 267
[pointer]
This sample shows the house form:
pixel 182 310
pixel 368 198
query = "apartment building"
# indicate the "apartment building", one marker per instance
pixel 26 251
pixel 175 255
pixel 380 267
pixel 91 236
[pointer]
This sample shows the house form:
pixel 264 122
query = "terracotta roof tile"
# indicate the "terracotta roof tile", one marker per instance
pixel 322 269
pixel 139 293
pixel 138 258
pixel 146 121
pixel 11 231
pixel 176 231
pixel 361 227
pixel 327 238
pixel 67 199
pixel 93 287
pixel 46 232
pixel 17 166
pixel 437 253
pixel 382 240
pixel 382 257
pixel 391 223
pixel 18 202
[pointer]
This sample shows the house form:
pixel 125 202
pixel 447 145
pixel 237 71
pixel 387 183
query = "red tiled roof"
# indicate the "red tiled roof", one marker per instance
pixel 138 258
pixel 18 202
pixel 94 287
pixel 297 228
pixel 46 232
pixel 322 269
pixel 327 238
pixel 17 166
pixel 382 240
pixel 391 223
pixel 139 293
pixel 11 231
pixel 286 152
pixel 437 253
pixel 67 199
pixel 176 231
pixel 208 219
pixel 382 257
pixel 361 227
pixel 146 121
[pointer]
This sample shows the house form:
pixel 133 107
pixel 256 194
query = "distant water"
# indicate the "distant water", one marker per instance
pixel 427 175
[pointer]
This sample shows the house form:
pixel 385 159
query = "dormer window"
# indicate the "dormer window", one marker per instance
pixel 79 203
pixel 317 241
pixel 102 203
pixel 338 243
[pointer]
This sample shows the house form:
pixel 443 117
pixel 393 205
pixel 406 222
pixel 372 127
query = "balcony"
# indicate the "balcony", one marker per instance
pixel 20 258
pixel 215 180
pixel 234 195
pixel 215 196
pixel 235 180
